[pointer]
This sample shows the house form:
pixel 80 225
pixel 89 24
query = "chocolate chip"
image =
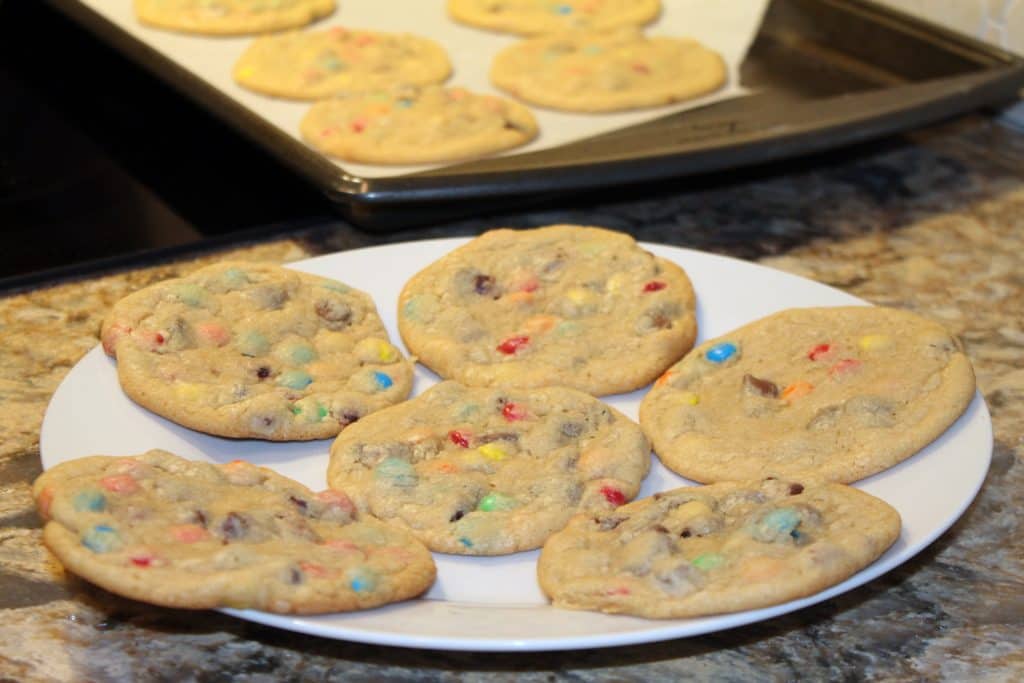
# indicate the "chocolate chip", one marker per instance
pixel 459 514
pixel 570 460
pixel 796 489
pixel 825 418
pixel 553 265
pixel 762 387
pixel 199 518
pixel 347 418
pixel 294 576
pixel 686 533
pixel 301 504
pixel 336 312
pixel 497 436
pixel 657 317
pixel 263 372
pixel 571 429
pixel 269 296
pixel 609 523
pixel 234 526
pixel 483 284
pixel 179 329
pixel 871 411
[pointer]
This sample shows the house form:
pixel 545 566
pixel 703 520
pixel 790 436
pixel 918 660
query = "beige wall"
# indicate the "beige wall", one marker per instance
pixel 1000 22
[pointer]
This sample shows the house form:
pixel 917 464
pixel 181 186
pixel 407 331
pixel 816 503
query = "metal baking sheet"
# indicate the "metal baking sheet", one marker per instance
pixel 727 27
pixel 806 75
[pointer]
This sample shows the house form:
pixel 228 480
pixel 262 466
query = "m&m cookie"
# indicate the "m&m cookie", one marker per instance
pixel 178 533
pixel 478 471
pixel 714 549
pixel 550 16
pixel 564 305
pixel 416 125
pixel 255 351
pixel 838 393
pixel 309 65
pixel 598 71
pixel 230 17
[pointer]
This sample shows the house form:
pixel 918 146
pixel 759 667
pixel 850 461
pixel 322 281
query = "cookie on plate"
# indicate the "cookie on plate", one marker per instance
pixel 564 305
pixel 316 64
pixel 531 17
pixel 178 533
pixel 255 351
pixel 489 471
pixel 840 392
pixel 593 71
pixel 727 547
pixel 411 125
pixel 231 17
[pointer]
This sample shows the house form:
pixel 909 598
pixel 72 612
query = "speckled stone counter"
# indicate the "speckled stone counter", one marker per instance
pixel 932 223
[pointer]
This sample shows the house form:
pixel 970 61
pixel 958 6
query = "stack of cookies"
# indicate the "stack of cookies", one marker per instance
pixel 513 450
pixel 378 97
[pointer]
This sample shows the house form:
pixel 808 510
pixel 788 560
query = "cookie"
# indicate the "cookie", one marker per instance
pixel 173 532
pixel 255 351
pixel 316 64
pixel 564 305
pixel 231 17
pixel 489 471
pixel 714 549
pixel 607 71
pixel 840 392
pixel 531 17
pixel 416 125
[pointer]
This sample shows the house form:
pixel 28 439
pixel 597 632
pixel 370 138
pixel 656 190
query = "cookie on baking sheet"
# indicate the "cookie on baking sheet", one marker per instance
pixel 315 64
pixel 178 533
pixel 411 125
pixel 713 549
pixel 591 71
pixel 231 17
pixel 840 393
pixel 564 305
pixel 531 17
pixel 489 471
pixel 255 351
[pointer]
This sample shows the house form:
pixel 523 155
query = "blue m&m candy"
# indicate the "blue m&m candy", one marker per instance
pixel 719 353
pixel 89 501
pixel 101 539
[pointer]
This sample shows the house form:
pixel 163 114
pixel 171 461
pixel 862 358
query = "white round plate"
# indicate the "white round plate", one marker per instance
pixel 494 604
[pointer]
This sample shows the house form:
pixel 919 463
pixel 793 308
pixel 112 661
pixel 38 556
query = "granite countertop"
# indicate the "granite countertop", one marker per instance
pixel 933 223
